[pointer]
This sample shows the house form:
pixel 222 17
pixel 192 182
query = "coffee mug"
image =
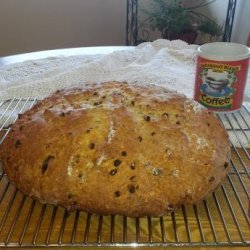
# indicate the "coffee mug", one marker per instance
pixel 221 75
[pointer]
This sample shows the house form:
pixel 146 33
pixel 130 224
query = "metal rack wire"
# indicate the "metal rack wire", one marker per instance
pixel 221 220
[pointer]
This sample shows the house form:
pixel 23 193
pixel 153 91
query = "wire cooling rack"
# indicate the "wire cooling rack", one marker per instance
pixel 222 219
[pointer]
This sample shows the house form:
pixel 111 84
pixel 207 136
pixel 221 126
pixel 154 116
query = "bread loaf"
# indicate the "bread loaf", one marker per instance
pixel 116 148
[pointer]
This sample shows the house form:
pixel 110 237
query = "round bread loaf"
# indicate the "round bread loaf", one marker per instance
pixel 114 148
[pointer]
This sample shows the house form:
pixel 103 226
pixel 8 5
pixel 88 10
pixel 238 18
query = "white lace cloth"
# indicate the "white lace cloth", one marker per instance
pixel 162 62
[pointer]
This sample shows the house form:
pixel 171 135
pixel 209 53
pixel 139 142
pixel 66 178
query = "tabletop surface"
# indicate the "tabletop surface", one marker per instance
pixel 60 52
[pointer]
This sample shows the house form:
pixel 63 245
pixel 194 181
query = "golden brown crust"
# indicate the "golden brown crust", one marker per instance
pixel 117 149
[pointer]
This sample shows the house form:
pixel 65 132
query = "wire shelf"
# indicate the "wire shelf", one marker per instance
pixel 221 220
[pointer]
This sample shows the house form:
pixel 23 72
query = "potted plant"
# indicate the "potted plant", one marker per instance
pixel 176 21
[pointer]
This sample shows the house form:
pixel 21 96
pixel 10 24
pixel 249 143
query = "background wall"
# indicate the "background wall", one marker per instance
pixel 31 25
pixel 241 29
